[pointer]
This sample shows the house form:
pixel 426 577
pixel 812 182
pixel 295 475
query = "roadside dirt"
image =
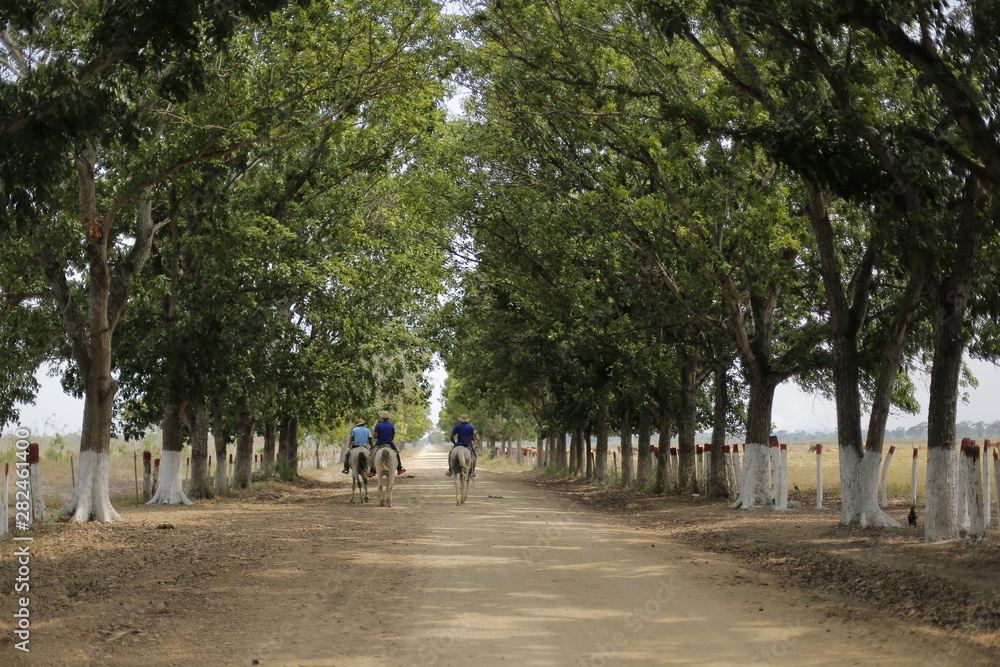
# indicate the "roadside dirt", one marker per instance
pixel 530 571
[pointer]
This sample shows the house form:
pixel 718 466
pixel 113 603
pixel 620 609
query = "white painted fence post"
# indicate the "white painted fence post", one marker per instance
pixel 4 529
pixel 819 476
pixel 674 468
pixel 699 463
pixel 913 478
pixel 783 478
pixel 996 479
pixel 885 472
pixel 147 476
pixel 707 469
pixel 772 441
pixel 977 524
pixel 727 453
pixel 987 483
pixel 963 484
pixel 38 512
pixel 737 468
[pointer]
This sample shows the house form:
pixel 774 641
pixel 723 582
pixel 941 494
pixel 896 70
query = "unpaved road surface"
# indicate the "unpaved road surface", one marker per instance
pixel 516 576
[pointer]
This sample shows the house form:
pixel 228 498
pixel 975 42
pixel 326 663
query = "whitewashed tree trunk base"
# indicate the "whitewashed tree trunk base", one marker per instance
pixel 941 504
pixel 170 489
pixel 90 500
pixel 859 486
pixel 754 488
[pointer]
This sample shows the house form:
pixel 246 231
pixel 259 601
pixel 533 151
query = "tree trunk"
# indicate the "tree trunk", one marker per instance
pixel 588 454
pixel 90 335
pixel 574 443
pixel 601 449
pixel 686 479
pixel 754 489
pixel 662 484
pixel 539 446
pixel 198 425
pixel 288 449
pixel 170 489
pixel 628 475
pixel 718 485
pixel 91 499
pixel 942 519
pixel 644 469
pixel 244 448
pixel 219 436
pixel 267 454
pixel 859 465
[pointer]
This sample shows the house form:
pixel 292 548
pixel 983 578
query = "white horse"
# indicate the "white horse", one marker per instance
pixel 460 460
pixel 386 462
pixel 357 459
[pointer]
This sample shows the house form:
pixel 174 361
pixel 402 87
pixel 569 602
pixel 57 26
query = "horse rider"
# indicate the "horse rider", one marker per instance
pixel 385 433
pixel 464 435
pixel 361 436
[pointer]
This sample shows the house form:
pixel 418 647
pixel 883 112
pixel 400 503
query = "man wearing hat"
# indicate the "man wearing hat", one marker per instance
pixel 385 433
pixel 360 436
pixel 464 434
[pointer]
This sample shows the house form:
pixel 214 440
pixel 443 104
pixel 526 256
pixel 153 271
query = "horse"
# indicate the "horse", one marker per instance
pixel 358 461
pixel 386 462
pixel 460 460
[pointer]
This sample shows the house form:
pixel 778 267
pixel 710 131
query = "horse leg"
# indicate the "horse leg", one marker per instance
pixel 388 482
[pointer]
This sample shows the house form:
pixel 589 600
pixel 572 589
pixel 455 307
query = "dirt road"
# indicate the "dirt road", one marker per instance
pixel 514 577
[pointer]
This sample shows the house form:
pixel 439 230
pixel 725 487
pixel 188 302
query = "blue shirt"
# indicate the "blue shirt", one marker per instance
pixel 465 432
pixel 384 433
pixel 360 435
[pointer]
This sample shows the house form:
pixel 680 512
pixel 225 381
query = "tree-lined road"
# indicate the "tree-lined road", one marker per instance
pixel 517 577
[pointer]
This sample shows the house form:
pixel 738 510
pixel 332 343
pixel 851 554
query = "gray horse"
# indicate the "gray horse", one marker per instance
pixel 386 462
pixel 460 460
pixel 357 459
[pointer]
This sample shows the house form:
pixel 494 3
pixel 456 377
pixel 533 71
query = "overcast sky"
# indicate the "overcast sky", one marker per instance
pixel 794 410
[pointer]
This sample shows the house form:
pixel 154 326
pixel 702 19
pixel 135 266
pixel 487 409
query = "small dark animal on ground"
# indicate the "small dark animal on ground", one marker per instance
pixel 913 516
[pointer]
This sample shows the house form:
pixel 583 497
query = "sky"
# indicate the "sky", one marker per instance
pixel 794 410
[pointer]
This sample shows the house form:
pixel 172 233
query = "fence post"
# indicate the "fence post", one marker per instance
pixel 4 529
pixel 913 478
pixel 699 473
pixel 819 476
pixel 885 471
pixel 783 477
pixel 977 525
pixel 772 442
pixel 963 483
pixel 996 479
pixel 674 469
pixel 35 476
pixel 987 482
pixel 156 474
pixel 147 476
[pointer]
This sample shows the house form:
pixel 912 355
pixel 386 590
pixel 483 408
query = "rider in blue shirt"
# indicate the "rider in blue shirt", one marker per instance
pixel 360 436
pixel 464 435
pixel 385 433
